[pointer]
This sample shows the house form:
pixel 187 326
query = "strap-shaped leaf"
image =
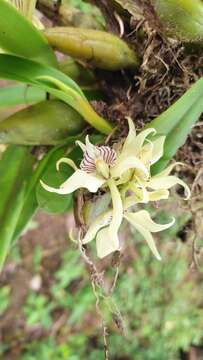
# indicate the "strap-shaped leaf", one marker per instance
pixel 20 37
pixel 180 19
pixel 15 170
pixel 49 202
pixel 54 82
pixel 30 204
pixel 49 122
pixel 177 121
pixel 20 94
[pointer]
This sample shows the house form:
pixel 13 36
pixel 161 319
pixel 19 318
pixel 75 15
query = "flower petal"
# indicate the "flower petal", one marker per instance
pixel 152 151
pixel 140 198
pixel 91 149
pixel 140 139
pixel 140 192
pixel 105 244
pixel 158 195
pixel 143 218
pixel 144 225
pixel 146 153
pixel 167 182
pixel 148 237
pixel 133 144
pixel 81 145
pixel 67 161
pixel 107 239
pixel 101 221
pixel 158 149
pixel 127 162
pixel 131 136
pixel 79 179
pixel 168 169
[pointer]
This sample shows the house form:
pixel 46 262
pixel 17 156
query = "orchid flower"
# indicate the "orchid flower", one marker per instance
pixel 126 175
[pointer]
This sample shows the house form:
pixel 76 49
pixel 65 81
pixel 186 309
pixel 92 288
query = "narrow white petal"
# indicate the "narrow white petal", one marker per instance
pixel 167 182
pixel 146 153
pixel 168 169
pixel 107 239
pixel 81 145
pixel 152 151
pixel 158 149
pixel 140 139
pixel 67 161
pixel 145 233
pixel 90 148
pixel 133 144
pixel 117 214
pixel 79 179
pixel 131 136
pixel 158 195
pixel 140 192
pixel 100 222
pixel 127 162
pixel 152 196
pixel 105 244
pixel 143 218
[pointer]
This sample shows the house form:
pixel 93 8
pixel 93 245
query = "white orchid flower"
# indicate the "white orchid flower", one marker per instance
pixel 126 173
pixel 140 220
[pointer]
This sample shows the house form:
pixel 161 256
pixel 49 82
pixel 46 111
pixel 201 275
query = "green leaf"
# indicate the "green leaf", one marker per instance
pixel 180 19
pixel 15 170
pixel 28 71
pixel 46 123
pixel 52 202
pixel 30 203
pixel 177 121
pixel 54 82
pixel 20 94
pixel 20 37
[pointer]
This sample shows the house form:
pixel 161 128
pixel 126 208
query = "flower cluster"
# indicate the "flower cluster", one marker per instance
pixel 126 175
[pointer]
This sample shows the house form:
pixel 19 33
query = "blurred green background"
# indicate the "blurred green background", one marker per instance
pixel 47 305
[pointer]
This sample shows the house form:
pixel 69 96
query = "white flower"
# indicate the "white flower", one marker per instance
pixel 126 174
pixel 140 220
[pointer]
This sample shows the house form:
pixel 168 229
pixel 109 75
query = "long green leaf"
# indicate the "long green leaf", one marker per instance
pixel 54 203
pixel 30 204
pixel 15 170
pixel 20 37
pixel 28 71
pixel 20 94
pixel 49 122
pixel 54 82
pixel 177 121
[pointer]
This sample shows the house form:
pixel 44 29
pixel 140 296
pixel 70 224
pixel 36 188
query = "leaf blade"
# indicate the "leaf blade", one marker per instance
pixel 54 82
pixel 18 164
pixel 177 121
pixel 16 42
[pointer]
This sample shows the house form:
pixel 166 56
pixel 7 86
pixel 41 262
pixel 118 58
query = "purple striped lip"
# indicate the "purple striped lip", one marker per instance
pixel 103 152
